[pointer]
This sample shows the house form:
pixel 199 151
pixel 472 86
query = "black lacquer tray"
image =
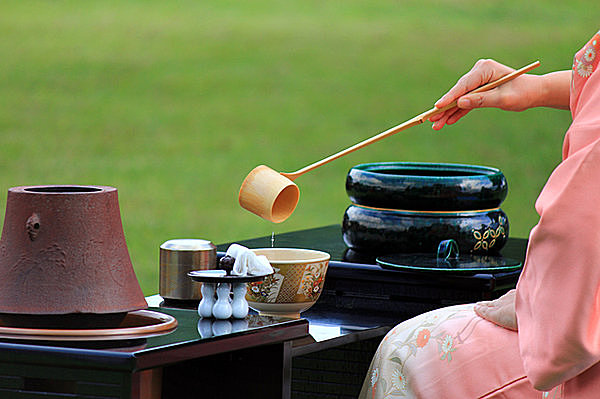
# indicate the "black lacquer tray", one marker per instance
pixel 198 277
pixel 463 264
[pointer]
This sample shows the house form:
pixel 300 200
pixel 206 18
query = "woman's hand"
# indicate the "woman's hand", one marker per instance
pixel 500 311
pixel 526 91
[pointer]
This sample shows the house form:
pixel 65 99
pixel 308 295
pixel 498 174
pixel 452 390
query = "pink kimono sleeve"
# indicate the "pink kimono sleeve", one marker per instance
pixel 558 296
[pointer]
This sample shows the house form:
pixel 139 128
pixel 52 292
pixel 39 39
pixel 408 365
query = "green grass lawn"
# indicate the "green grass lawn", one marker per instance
pixel 175 102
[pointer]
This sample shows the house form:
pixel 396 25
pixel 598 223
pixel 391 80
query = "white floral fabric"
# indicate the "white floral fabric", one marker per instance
pixel 449 353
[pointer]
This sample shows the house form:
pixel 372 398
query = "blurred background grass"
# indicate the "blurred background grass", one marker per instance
pixel 175 102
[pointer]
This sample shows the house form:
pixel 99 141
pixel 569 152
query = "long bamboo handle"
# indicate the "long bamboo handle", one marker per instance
pixel 417 120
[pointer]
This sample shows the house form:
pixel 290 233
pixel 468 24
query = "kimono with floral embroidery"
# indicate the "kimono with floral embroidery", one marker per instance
pixel 452 353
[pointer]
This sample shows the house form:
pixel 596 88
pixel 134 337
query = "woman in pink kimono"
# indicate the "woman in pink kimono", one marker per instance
pixel 541 340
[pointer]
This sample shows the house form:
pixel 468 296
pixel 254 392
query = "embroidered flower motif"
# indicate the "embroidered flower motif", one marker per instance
pixel 423 337
pixel 584 70
pixel 446 347
pixel 386 377
pixel 398 380
pixel 374 377
pixel 589 54
pixel 585 62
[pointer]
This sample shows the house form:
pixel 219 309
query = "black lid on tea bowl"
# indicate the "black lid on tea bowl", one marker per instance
pixel 426 186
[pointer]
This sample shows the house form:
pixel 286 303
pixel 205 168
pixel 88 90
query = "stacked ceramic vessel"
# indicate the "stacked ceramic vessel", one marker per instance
pixel 403 207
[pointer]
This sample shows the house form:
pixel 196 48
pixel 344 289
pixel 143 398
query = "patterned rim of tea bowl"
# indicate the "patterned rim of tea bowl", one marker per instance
pixel 294 287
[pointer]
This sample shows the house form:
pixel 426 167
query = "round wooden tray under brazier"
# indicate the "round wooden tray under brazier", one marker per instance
pixel 136 324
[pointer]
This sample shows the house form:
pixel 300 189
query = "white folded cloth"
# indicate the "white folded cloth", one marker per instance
pixel 247 262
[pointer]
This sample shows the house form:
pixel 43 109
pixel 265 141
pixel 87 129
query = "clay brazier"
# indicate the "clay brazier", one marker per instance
pixel 63 252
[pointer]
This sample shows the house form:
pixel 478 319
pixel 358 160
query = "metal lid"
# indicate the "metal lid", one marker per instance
pixel 188 244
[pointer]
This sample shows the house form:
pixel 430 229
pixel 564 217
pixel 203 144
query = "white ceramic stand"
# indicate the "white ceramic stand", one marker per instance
pixel 205 306
pixel 239 305
pixel 222 308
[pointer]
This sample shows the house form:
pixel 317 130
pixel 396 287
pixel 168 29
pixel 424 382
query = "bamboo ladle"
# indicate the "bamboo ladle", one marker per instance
pixel 273 195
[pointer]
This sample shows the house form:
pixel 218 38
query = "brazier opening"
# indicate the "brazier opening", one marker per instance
pixel 63 189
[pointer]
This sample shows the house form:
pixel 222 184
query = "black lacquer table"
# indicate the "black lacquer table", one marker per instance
pixel 323 355
pixel 200 359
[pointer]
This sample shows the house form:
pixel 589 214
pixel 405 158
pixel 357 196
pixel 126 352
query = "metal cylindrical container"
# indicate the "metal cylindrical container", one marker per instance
pixel 177 258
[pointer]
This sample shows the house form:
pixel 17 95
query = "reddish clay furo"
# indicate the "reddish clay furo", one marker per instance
pixel 63 251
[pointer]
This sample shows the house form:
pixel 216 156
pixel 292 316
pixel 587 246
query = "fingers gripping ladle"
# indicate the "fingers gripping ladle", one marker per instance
pixel 273 195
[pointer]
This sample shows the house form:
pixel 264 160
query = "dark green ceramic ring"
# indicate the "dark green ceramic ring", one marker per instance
pixel 426 186
pixel 390 231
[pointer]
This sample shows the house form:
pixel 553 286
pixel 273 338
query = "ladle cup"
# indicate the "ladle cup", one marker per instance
pixel 273 195
pixel 269 194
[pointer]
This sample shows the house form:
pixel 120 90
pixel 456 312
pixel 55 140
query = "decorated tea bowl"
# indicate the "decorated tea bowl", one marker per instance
pixel 294 287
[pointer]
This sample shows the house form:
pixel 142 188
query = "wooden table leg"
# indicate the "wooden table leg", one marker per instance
pixel 147 384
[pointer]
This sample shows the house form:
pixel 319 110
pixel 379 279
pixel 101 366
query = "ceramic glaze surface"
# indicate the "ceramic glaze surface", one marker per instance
pixel 392 231
pixel 426 186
